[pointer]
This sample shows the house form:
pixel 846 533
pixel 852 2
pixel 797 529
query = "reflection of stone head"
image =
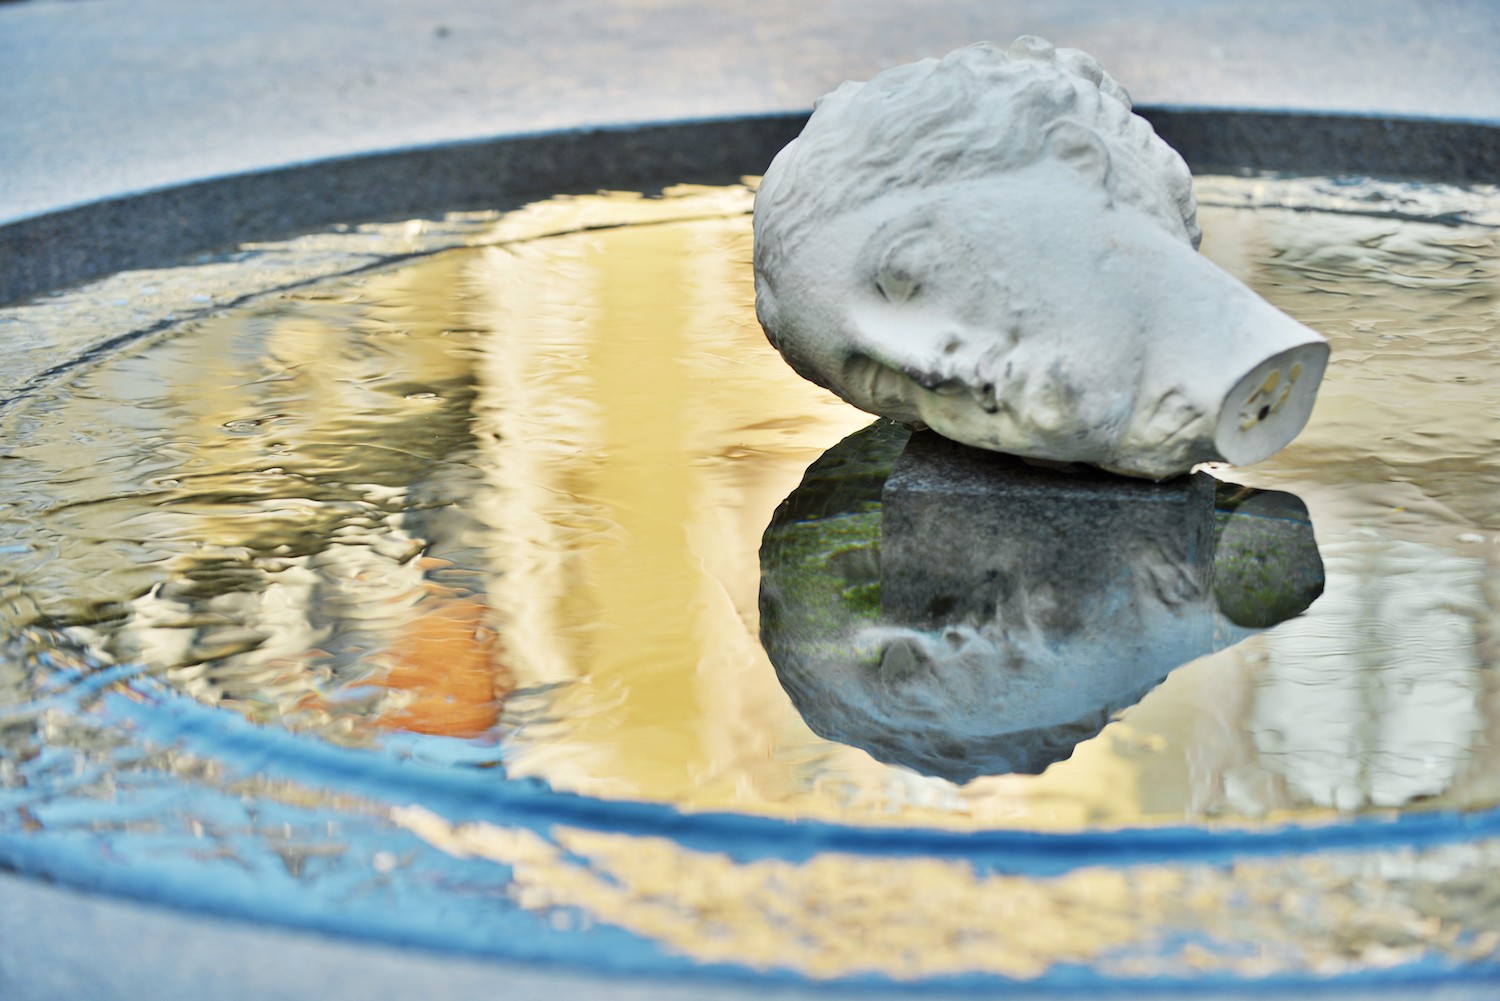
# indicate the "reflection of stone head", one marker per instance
pixel 961 702
pixel 967 614
pixel 994 245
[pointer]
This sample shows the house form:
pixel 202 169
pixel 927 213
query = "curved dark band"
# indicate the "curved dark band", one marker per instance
pixel 157 227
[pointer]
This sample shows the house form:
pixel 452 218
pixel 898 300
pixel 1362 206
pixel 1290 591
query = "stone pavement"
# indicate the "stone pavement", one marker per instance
pixel 100 98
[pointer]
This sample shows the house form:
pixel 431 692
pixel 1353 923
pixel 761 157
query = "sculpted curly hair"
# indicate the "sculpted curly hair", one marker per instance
pixel 977 112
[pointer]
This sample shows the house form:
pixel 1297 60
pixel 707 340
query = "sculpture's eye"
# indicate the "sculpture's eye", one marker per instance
pixel 902 261
pixel 895 287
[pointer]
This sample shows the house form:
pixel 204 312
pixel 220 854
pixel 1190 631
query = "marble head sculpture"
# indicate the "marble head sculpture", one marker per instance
pixel 992 245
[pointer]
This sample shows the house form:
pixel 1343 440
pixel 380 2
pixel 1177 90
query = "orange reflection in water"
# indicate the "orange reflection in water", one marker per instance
pixel 446 662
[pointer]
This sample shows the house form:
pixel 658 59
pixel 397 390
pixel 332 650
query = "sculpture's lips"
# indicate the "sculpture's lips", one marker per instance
pixel 939 384
pixel 884 388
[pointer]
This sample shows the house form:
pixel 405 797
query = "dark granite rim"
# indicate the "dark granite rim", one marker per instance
pixel 156 227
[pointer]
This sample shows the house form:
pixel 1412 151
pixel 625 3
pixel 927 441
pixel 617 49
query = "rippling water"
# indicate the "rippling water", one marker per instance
pixel 514 496
pixel 499 510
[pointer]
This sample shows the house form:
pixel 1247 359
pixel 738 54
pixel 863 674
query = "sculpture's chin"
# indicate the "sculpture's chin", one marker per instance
pixel 879 389
pixel 982 417
pixel 1198 421
pixel 1270 404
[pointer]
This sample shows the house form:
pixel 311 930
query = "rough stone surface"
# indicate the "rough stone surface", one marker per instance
pixel 973 534
pixel 156 227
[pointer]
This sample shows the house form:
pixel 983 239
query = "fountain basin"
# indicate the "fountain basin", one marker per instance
pixel 465 819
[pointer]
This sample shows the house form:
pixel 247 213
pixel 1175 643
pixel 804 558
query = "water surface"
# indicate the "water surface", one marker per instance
pixel 311 602
pixel 515 496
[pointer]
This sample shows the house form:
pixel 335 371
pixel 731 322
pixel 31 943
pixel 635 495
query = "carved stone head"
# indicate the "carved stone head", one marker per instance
pixel 994 246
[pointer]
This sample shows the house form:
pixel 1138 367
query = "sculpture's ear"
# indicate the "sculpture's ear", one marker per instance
pixel 1081 149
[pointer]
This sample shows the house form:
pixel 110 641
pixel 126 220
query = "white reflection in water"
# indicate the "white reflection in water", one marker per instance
pixel 1376 701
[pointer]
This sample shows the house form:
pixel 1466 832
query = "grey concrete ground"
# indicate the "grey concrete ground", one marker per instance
pixel 82 948
pixel 106 97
